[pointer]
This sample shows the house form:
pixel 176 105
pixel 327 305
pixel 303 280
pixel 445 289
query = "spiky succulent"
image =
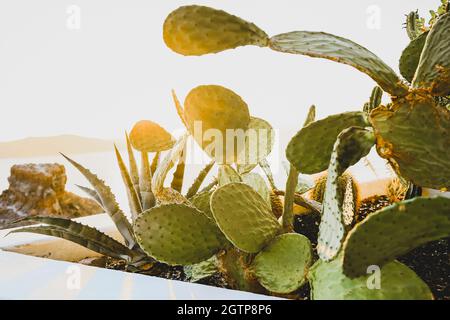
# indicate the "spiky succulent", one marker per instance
pixel 412 132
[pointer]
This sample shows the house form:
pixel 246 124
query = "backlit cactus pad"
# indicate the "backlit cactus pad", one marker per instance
pixel 197 30
pixel 148 136
pixel 211 112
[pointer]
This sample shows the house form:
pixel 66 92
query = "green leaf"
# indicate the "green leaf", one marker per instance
pixel 351 145
pixel 309 151
pixel 396 282
pixel 133 198
pixel 199 271
pixel 433 71
pixel 134 173
pixel 331 47
pixel 145 179
pixel 227 175
pixel 258 183
pixel 199 180
pixel 108 201
pixel 91 193
pixel 394 231
pixel 178 175
pixel 76 232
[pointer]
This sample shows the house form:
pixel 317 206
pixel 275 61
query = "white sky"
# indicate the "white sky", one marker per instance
pixel 115 70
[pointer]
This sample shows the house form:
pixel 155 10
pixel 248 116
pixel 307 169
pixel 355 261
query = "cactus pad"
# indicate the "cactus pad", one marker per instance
pixel 310 149
pixel 197 30
pixel 202 202
pixel 244 217
pixel 351 145
pixel 210 111
pixel 259 141
pixel 397 282
pixel 331 47
pixel 147 136
pixel 411 56
pixel 177 234
pixel 258 184
pixel 395 230
pixel 414 137
pixel 281 267
pixel 433 72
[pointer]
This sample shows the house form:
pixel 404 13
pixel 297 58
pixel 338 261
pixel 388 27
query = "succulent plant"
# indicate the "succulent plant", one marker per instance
pixel 412 133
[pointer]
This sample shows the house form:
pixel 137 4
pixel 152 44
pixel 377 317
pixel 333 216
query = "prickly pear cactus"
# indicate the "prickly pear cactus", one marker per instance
pixel 258 184
pixel 328 46
pixel 244 217
pixel 210 111
pixel 177 234
pixel 259 141
pixel 282 266
pixel 310 149
pixel 202 202
pixel 148 136
pixel 318 192
pixel 351 145
pixel 197 30
pixel 414 137
pixel 226 174
pixel 433 71
pixel 395 230
pixel 394 281
pixel 410 57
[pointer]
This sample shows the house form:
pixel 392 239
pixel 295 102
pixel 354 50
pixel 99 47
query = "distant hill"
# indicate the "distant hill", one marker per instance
pixel 48 146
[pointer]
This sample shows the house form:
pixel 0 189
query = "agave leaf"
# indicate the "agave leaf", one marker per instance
pixel 94 242
pixel 167 163
pixel 322 135
pixel 133 198
pixel 288 212
pixel 331 47
pixel 179 108
pixel 91 193
pixel 134 173
pixel 410 57
pixel 433 71
pixel 227 175
pixel 311 117
pixel 147 196
pixel 259 140
pixel 351 145
pixel 178 175
pixel 394 231
pixel 155 163
pixel 109 202
pixel 199 180
pixel 268 172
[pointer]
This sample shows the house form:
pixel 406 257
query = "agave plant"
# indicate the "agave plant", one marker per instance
pixel 412 133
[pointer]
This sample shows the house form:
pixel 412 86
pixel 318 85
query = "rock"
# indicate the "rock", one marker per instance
pixel 39 189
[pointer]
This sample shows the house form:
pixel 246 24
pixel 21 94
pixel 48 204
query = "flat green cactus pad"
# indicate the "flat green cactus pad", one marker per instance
pixel 177 234
pixel 227 174
pixel 351 145
pixel 258 183
pixel 395 230
pixel 415 139
pixel 244 216
pixel 331 47
pixel 148 136
pixel 281 267
pixel 309 151
pixel 259 141
pixel 202 270
pixel 433 71
pixel 218 119
pixel 394 281
pixel 411 56
pixel 202 202
pixel 197 30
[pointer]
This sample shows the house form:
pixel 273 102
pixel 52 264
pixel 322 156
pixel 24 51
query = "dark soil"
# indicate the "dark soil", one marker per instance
pixel 431 262
pixel 308 225
pixel 371 205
